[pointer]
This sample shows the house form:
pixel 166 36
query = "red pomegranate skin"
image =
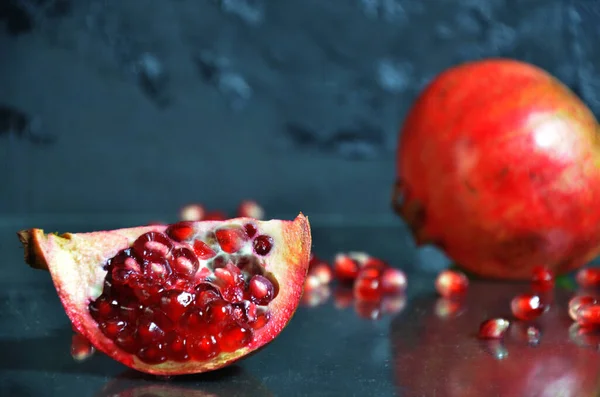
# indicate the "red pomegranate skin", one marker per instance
pixel 498 164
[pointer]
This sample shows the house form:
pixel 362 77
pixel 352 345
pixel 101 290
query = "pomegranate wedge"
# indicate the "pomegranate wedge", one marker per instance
pixel 178 299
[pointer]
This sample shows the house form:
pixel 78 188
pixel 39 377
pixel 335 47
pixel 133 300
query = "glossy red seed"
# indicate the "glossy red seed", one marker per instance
pixel 153 243
pixel 202 250
pixel 250 209
pixel 112 328
pixel 494 328
pixel 345 268
pixel 154 354
pixel 148 331
pixel 81 348
pixel 192 212
pixel 244 312
pixel 231 239
pixel 250 230
pixel 181 231
pixel 261 290
pixel 450 283
pixel 235 337
pixel 527 307
pixel 588 277
pixel 393 281
pixel 262 244
pixel 194 321
pixel 263 315
pixel 128 341
pixel 176 346
pixel 203 347
pixel 130 311
pixel 367 288
pixel 588 315
pixel 375 263
pixel 175 302
pixel 218 312
pixel 103 308
pixel 184 263
pixel 542 279
pixel 370 271
pixel 578 301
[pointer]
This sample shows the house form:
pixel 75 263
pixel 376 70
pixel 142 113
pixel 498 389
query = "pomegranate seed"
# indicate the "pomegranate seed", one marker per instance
pixel 192 212
pixel 367 289
pixel 588 315
pixel 81 348
pixel 203 347
pixel 369 271
pixel 393 281
pixel 103 308
pixel 127 341
pixel 176 347
pixel 206 293
pixel 263 315
pixel 245 312
pixel 174 303
pixel 180 231
pixel 251 209
pixel 202 250
pixel 153 243
pixel 542 279
pixel 154 354
pixel 185 262
pixel 194 320
pixel 322 272
pixel 345 268
pixel 261 290
pixel 262 244
pixel 527 307
pixel 231 239
pixel 235 337
pixel 578 301
pixel 148 331
pixel 494 328
pixel 375 263
pixel 450 283
pixel 250 230
pixel 112 328
pixel 218 312
pixel 533 335
pixel 588 277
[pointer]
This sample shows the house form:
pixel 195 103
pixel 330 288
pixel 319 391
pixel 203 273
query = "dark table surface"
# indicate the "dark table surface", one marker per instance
pixel 426 349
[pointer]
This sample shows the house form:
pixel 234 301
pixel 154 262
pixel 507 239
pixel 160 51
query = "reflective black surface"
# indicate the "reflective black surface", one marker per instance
pixel 428 349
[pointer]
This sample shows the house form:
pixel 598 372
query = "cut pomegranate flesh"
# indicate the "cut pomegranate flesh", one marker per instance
pixel 184 298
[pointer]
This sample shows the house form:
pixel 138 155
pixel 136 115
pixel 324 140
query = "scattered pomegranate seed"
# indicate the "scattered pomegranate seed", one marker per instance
pixel 192 212
pixel 81 348
pixel 345 268
pixel 542 279
pixel 578 301
pixel 368 288
pixel 588 277
pixel 393 281
pixel 527 307
pixel 588 315
pixel 451 283
pixel 250 209
pixel 494 328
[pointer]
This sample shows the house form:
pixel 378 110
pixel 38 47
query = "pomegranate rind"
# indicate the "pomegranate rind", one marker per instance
pixel 76 264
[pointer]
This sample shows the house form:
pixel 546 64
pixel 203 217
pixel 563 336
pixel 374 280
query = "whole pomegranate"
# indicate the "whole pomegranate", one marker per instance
pixel 498 164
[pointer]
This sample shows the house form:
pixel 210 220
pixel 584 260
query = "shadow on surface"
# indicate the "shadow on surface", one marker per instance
pixel 440 354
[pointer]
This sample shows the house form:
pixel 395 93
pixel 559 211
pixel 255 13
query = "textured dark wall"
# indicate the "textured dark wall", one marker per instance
pixel 144 105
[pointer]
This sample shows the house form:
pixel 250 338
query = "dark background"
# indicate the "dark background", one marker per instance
pixel 145 105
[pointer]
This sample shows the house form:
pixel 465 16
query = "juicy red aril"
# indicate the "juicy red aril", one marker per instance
pixel 579 301
pixel 153 243
pixel 81 348
pixel 345 268
pixel 153 354
pixel 235 337
pixel 450 283
pixel 194 321
pixel 494 328
pixel 393 281
pixel 148 331
pixel 245 312
pixel 375 263
pixel 588 277
pixel 180 231
pixel 542 279
pixel 527 307
pixel 369 271
pixel 184 262
pixel 261 290
pixel 367 288
pixel 176 346
pixel 588 315
pixel 250 230
pixel 218 312
pixel 262 244
pixel 103 308
pixel 112 328
pixel 231 239
pixel 263 316
pixel 203 347
pixel 202 250
pixel 174 303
